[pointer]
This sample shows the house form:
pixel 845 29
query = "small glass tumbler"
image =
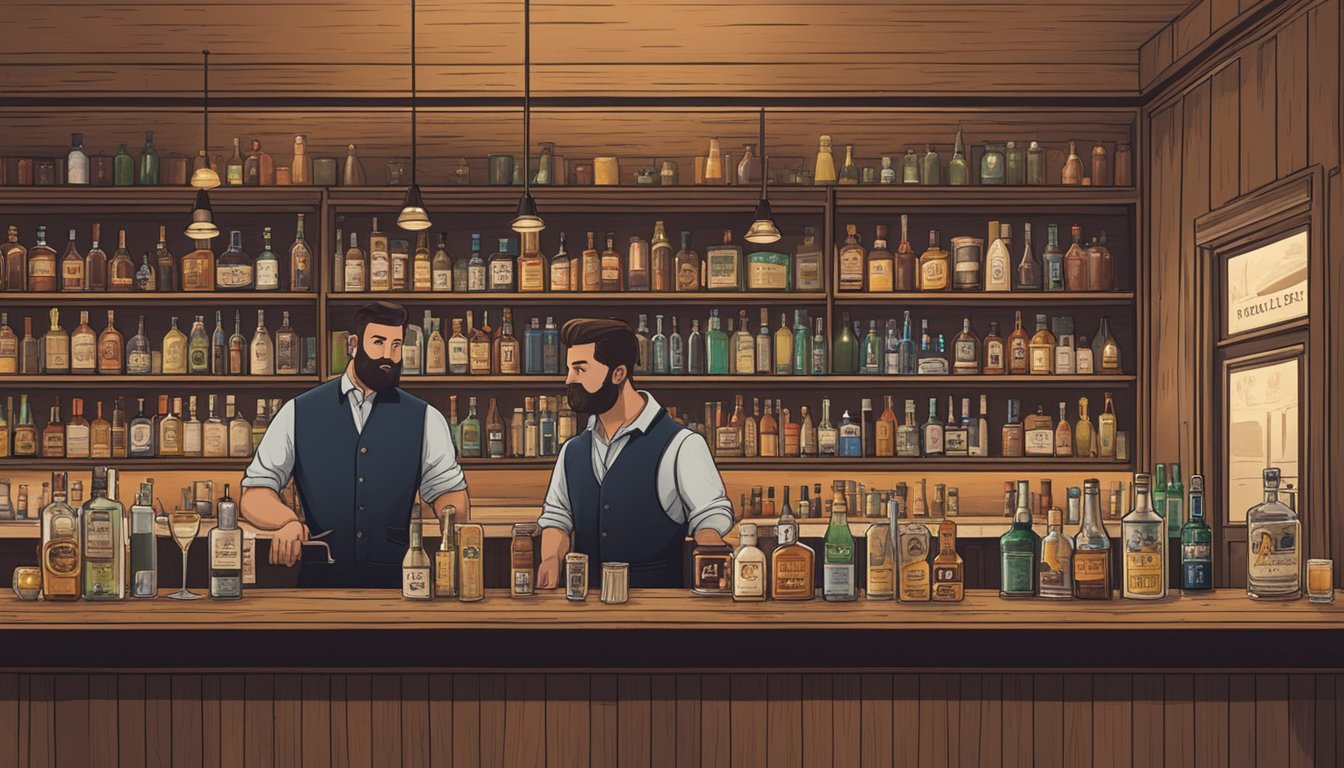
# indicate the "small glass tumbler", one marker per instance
pixel 1320 581
pixel 576 576
pixel 27 582
pixel 615 583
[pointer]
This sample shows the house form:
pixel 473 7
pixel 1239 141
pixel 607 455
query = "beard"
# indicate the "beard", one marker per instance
pixel 370 371
pixel 593 403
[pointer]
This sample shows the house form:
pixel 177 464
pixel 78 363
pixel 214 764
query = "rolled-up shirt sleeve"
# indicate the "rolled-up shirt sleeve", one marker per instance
pixel 700 488
pixel 555 511
pixel 439 471
pixel 273 462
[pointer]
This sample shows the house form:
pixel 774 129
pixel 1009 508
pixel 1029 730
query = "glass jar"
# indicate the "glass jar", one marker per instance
pixel 583 174
pixel 396 172
pixel 324 171
pixel 545 165
pixel 284 176
pixel 606 171
pixel 27 582
pixel 521 582
pixel 991 165
pixel 576 576
pixel 501 169
pixel 713 574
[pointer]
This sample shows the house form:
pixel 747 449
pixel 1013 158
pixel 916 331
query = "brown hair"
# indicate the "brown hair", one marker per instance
pixel 382 313
pixel 613 341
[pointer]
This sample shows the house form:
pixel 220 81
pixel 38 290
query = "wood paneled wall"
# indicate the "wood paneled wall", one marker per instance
pixel 630 720
pixel 1263 109
pixel 633 48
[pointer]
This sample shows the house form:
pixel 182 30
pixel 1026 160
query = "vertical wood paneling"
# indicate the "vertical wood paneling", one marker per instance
pixel 784 721
pixel 1113 720
pixel 1211 721
pixel 633 713
pixel 1194 201
pixel 905 717
pixel 663 720
pixel 315 714
pixel 359 720
pixel 9 719
pixel 102 721
pixel 288 720
pixel 991 719
pixel 1241 722
pixel 340 736
pixel 845 720
pixel 259 720
pixel 963 723
pixel 25 715
pixel 1224 135
pixel 1048 721
pixel 466 740
pixel 1301 721
pixel 715 730
pixel 1323 76
pixel 567 711
pixel 1271 721
pixel 1148 723
pixel 1325 727
pixel 441 721
pixel 1259 111
pixel 876 712
pixel 817 715
pixel 415 742
pixel 1078 721
pixel 1167 372
pixel 1291 68
pixel 748 717
pixel 933 715
pixel 187 718
pixel 232 721
pixel 492 721
pixel 71 709
pixel 1017 721
pixel 212 748
pixel 42 721
pixel 1179 719
pixel 158 721
pixel 688 720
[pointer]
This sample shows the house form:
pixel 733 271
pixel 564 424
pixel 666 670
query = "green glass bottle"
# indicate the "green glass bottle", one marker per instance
pixel 149 162
pixel 958 174
pixel 1196 542
pixel 802 343
pixel 716 346
pixel 1019 550
pixel 123 167
pixel 1175 502
pixel 845 360
pixel 839 583
pixel 1159 494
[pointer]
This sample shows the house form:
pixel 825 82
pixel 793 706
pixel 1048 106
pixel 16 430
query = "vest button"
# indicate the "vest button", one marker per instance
pixel 606 506
pixel 363 449
pixel 361 507
pixel 604 534
pixel 359 534
pixel 361 479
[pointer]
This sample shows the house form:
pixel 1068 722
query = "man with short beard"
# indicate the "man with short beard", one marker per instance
pixel 630 486
pixel 358 448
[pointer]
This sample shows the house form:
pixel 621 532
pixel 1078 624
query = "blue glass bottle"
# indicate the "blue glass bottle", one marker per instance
pixel 546 430
pixel 659 344
pixel 676 351
pixel 532 348
pixel 550 347
pixel 851 438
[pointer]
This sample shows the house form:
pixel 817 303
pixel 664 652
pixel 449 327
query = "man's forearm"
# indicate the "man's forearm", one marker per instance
pixel 264 508
pixel 460 501
pixel 554 543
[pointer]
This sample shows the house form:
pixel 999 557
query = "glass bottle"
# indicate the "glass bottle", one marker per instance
pixel 888 174
pixel 1013 164
pixel 1042 348
pixel 1100 266
pixel 849 172
pixel 1029 269
pixel 352 172
pixel 716 346
pixel 72 267
pixel 1018 549
pixel 234 270
pixel 43 275
pixel 881 264
pixel 933 266
pixel 1072 173
pixel 1092 549
pixel 1018 343
pixel 149 161
pixel 502 268
pixel 958 173
pixel 949 581
pixel 123 167
pixel 749 577
pixel 1013 435
pixel 838 571
pixel 259 168
pixel 824 172
pixel 267 266
pixel 61 549
pixel 233 168
pixel 477 279
pixel 1035 164
pixel 76 161
pixel 1056 569
pixel 714 170
pixel 1075 263
pixel 930 167
pixel 660 259
pixel 1143 537
pixel 851 260
pixel 637 266
pixel 1196 542
pixel 991 165
pixel 792 562
pixel 1053 261
pixel 687 264
pixel 300 260
pixel 998 258
pixel 1274 546
pixel 695 349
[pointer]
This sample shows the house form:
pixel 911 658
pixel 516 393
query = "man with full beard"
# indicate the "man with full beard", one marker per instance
pixel 358 448
pixel 630 486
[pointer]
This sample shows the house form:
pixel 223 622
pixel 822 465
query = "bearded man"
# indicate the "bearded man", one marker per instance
pixel 630 486
pixel 359 448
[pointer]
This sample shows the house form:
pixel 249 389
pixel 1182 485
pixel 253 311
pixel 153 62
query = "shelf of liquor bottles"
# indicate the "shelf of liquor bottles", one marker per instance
pixel 876 381
pixel 977 299
pixel 150 300
pixel 158 381
pixel 857 464
pixel 78 201
pixel 579 298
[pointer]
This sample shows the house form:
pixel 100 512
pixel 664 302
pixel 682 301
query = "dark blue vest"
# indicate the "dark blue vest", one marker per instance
pixel 622 520
pixel 360 486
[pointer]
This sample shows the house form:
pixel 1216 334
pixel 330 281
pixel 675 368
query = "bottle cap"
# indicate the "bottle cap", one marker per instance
pixel 747 534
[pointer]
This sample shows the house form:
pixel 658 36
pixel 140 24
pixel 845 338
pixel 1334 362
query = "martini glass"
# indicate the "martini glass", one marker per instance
pixel 184 525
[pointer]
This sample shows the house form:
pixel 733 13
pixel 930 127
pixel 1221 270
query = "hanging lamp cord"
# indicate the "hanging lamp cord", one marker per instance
pixel 415 155
pixel 527 94
pixel 205 106
pixel 761 140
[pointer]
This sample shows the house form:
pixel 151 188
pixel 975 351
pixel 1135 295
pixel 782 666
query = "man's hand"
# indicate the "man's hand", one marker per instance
pixel 548 573
pixel 709 537
pixel 287 543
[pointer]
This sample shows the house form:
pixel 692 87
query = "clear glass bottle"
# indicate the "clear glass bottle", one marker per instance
pixel 1092 549
pixel 1274 546
pixel 1056 568
pixel 1143 538
pixel 415 568
pixel 61 548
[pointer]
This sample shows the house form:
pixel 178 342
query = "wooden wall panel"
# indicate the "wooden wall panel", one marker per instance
pixel 1193 33
pixel 1178 719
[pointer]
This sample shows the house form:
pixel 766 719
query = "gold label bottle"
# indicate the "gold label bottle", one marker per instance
pixel 949 580
pixel 881 576
pixel 912 551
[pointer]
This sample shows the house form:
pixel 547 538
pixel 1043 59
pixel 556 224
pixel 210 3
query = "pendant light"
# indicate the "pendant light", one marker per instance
pixel 763 230
pixel 413 216
pixel 527 219
pixel 202 226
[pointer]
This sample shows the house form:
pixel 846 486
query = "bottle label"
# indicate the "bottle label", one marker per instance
pixel 40 267
pixel 76 442
pixel 109 355
pixel 1040 442
pixel 1064 360
pixel 769 444
pixel 933 440
pixel 415 582
pixel 838 579
pixel 748 579
pixel 915 583
pixel 479 357
pixel 440 279
pixel 880 275
pixel 560 275
pixel 1143 559
pixel 268 274
pixel 1041 359
pixel 994 356
pixel 226 586
pixel 1055 566
pixel 137 362
pixel 1018 356
pixel 84 353
pixel 72 275
pixel 997 269
pixel 445 573
pixel 501 274
pixel 235 275
pixel 1197 573
pixel 957 442
pixel 722 270
pixel 1272 551
pixel 851 269
pixel 948 582
pixel 225 551
pixel 933 274
pixel 249 559
pixel 58 355
pixel 769 271
pixel 793 576
pixel 1017 572
pixel 531 277
pixel 380 274
pixel 1089 568
pixel 884 437
pixel 98 538
pixel 826 440
pixel 966 353
pixel 808 277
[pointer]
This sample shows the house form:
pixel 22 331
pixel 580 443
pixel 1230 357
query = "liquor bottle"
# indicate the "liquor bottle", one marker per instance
pixel 123 167
pixel 932 432
pixel 234 270
pixel 742 348
pixel 849 172
pixel 214 433
pixel 149 162
pixel 259 167
pixel 470 443
pixel 144 557
pixel 302 165
pixel 101 518
pixel 949 578
pixel 494 431
pixel 95 265
pixel 233 168
pixel 1274 546
pixel 42 272
pixel 352 171
pixel 13 262
pixel 55 346
pixel 441 267
pixel 791 562
pixel 72 267
pixel 415 578
pixel 1018 550
pixel 237 359
pixel 1073 167
pixel 748 567
pixel 1106 430
pixel 506 354
pixel 1092 549
pixel 838 582
pixel 141 434
pixel 226 551
pixel 1056 569
pixel 502 275
pixel 1174 503
pixel 198 268
pixel 881 264
pixel 851 260
pixel 807 270
pixel 933 266
pixel 76 161
pixel 531 264
pixel 1017 348
pixel 991 165
pixel 1106 349
pixel 824 172
pixel 590 266
pixel 1075 263
pixel 1100 265
pixel 62 553
pixel 957 172
pixel 83 347
pixel 884 444
pixel 286 348
pixel 695 350
pixel 724 265
pixel 267 265
pixel 845 361
pixel 358 271
pixel 850 437
pixel 1053 261
pixel 998 259
pixel 769 433
pixel 100 435
pixel 1063 439
pixel 445 558
pixel 716 346
pixel 966 348
pixel 25 432
pixel 1042 348
pixel 380 259
pixel 1196 542
pixel 261 352
pixel 1029 268
pixel 781 346
pixel 338 259
pixel 77 431
pixel 915 582
pixel 1144 539
pixel 240 430
pixel 170 427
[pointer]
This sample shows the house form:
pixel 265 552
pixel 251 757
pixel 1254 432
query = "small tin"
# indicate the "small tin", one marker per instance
pixel 576 576
pixel 615 583
pixel 606 171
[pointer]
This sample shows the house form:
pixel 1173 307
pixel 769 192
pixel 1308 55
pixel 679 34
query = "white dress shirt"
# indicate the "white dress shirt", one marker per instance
pixel 273 462
pixel 689 486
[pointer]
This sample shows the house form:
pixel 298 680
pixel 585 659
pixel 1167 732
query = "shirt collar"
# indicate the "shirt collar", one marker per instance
pixel 350 389
pixel 641 423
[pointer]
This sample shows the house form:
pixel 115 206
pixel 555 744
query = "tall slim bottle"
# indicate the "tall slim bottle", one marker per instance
pixel 1196 543
pixel 1143 538
pixel 144 547
pixel 839 583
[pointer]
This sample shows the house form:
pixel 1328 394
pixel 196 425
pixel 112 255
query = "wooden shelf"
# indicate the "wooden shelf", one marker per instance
pixel 221 300
pixel 728 200
pixel 1044 200
pixel 174 200
pixel 162 463
pixel 869 464
pixel 564 298
pixel 980 381
pixel 248 382
pixel 986 299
